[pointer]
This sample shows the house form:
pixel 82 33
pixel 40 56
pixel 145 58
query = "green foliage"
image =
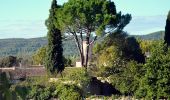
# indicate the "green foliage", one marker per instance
pixel 25 48
pixel 93 13
pixel 167 30
pixel 39 56
pixel 132 51
pixel 145 45
pixel 54 58
pixel 5 87
pixel 110 54
pixel 59 90
pixel 118 46
pixel 96 48
pixel 96 13
pixel 36 92
pixel 20 92
pixel 39 80
pixel 82 17
pixel 78 75
pixel 155 83
pixel 20 47
pixel 67 62
pixel 124 77
pixel 9 61
pixel 40 92
pixel 32 88
pixel 68 92
pixel 70 87
pixel 117 60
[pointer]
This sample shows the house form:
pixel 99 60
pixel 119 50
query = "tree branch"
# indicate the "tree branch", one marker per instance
pixel 95 38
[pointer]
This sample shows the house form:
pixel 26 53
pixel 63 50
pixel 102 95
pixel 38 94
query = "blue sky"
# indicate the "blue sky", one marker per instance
pixel 25 18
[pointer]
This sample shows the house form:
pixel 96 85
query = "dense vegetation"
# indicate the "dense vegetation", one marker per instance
pixel 54 51
pixel 24 47
pixel 20 47
pixel 39 88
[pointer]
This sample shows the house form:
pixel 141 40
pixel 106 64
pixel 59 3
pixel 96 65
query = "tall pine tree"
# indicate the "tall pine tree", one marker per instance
pixel 167 30
pixel 54 59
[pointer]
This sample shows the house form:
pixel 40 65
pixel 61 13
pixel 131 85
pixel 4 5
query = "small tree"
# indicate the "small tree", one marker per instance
pixel 54 60
pixel 83 18
pixel 9 61
pixel 167 30
pixel 39 56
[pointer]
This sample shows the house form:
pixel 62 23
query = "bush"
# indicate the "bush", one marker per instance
pixel 59 90
pixel 155 82
pixel 68 92
pixel 78 75
pixel 5 92
pixel 40 93
pixel 36 92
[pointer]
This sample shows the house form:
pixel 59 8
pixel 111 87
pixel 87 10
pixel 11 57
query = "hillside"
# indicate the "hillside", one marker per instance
pixel 152 36
pixel 22 47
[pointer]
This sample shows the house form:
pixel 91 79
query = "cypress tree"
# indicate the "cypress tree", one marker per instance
pixel 167 30
pixel 54 59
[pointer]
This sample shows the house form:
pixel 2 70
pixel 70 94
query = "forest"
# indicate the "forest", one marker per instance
pixel 26 47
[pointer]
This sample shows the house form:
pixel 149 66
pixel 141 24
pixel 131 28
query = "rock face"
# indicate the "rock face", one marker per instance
pixel 96 87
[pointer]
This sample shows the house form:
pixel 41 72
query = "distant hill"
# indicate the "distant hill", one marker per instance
pixel 152 36
pixel 24 47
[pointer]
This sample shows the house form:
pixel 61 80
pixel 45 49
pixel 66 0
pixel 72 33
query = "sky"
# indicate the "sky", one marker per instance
pixel 25 18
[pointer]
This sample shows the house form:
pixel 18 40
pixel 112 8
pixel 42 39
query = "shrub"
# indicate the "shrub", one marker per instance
pixel 78 75
pixel 39 93
pixel 68 92
pixel 155 82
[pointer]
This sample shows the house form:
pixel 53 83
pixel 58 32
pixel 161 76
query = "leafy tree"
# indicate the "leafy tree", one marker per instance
pixel 82 18
pixel 54 60
pixel 125 77
pixel 167 30
pixel 117 59
pixel 146 45
pixel 132 51
pixel 9 61
pixel 155 82
pixel 39 56
pixel 123 47
pixel 109 55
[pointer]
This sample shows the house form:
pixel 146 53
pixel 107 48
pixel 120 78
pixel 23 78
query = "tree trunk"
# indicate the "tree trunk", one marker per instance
pixel 79 48
pixel 87 49
pixel 82 54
